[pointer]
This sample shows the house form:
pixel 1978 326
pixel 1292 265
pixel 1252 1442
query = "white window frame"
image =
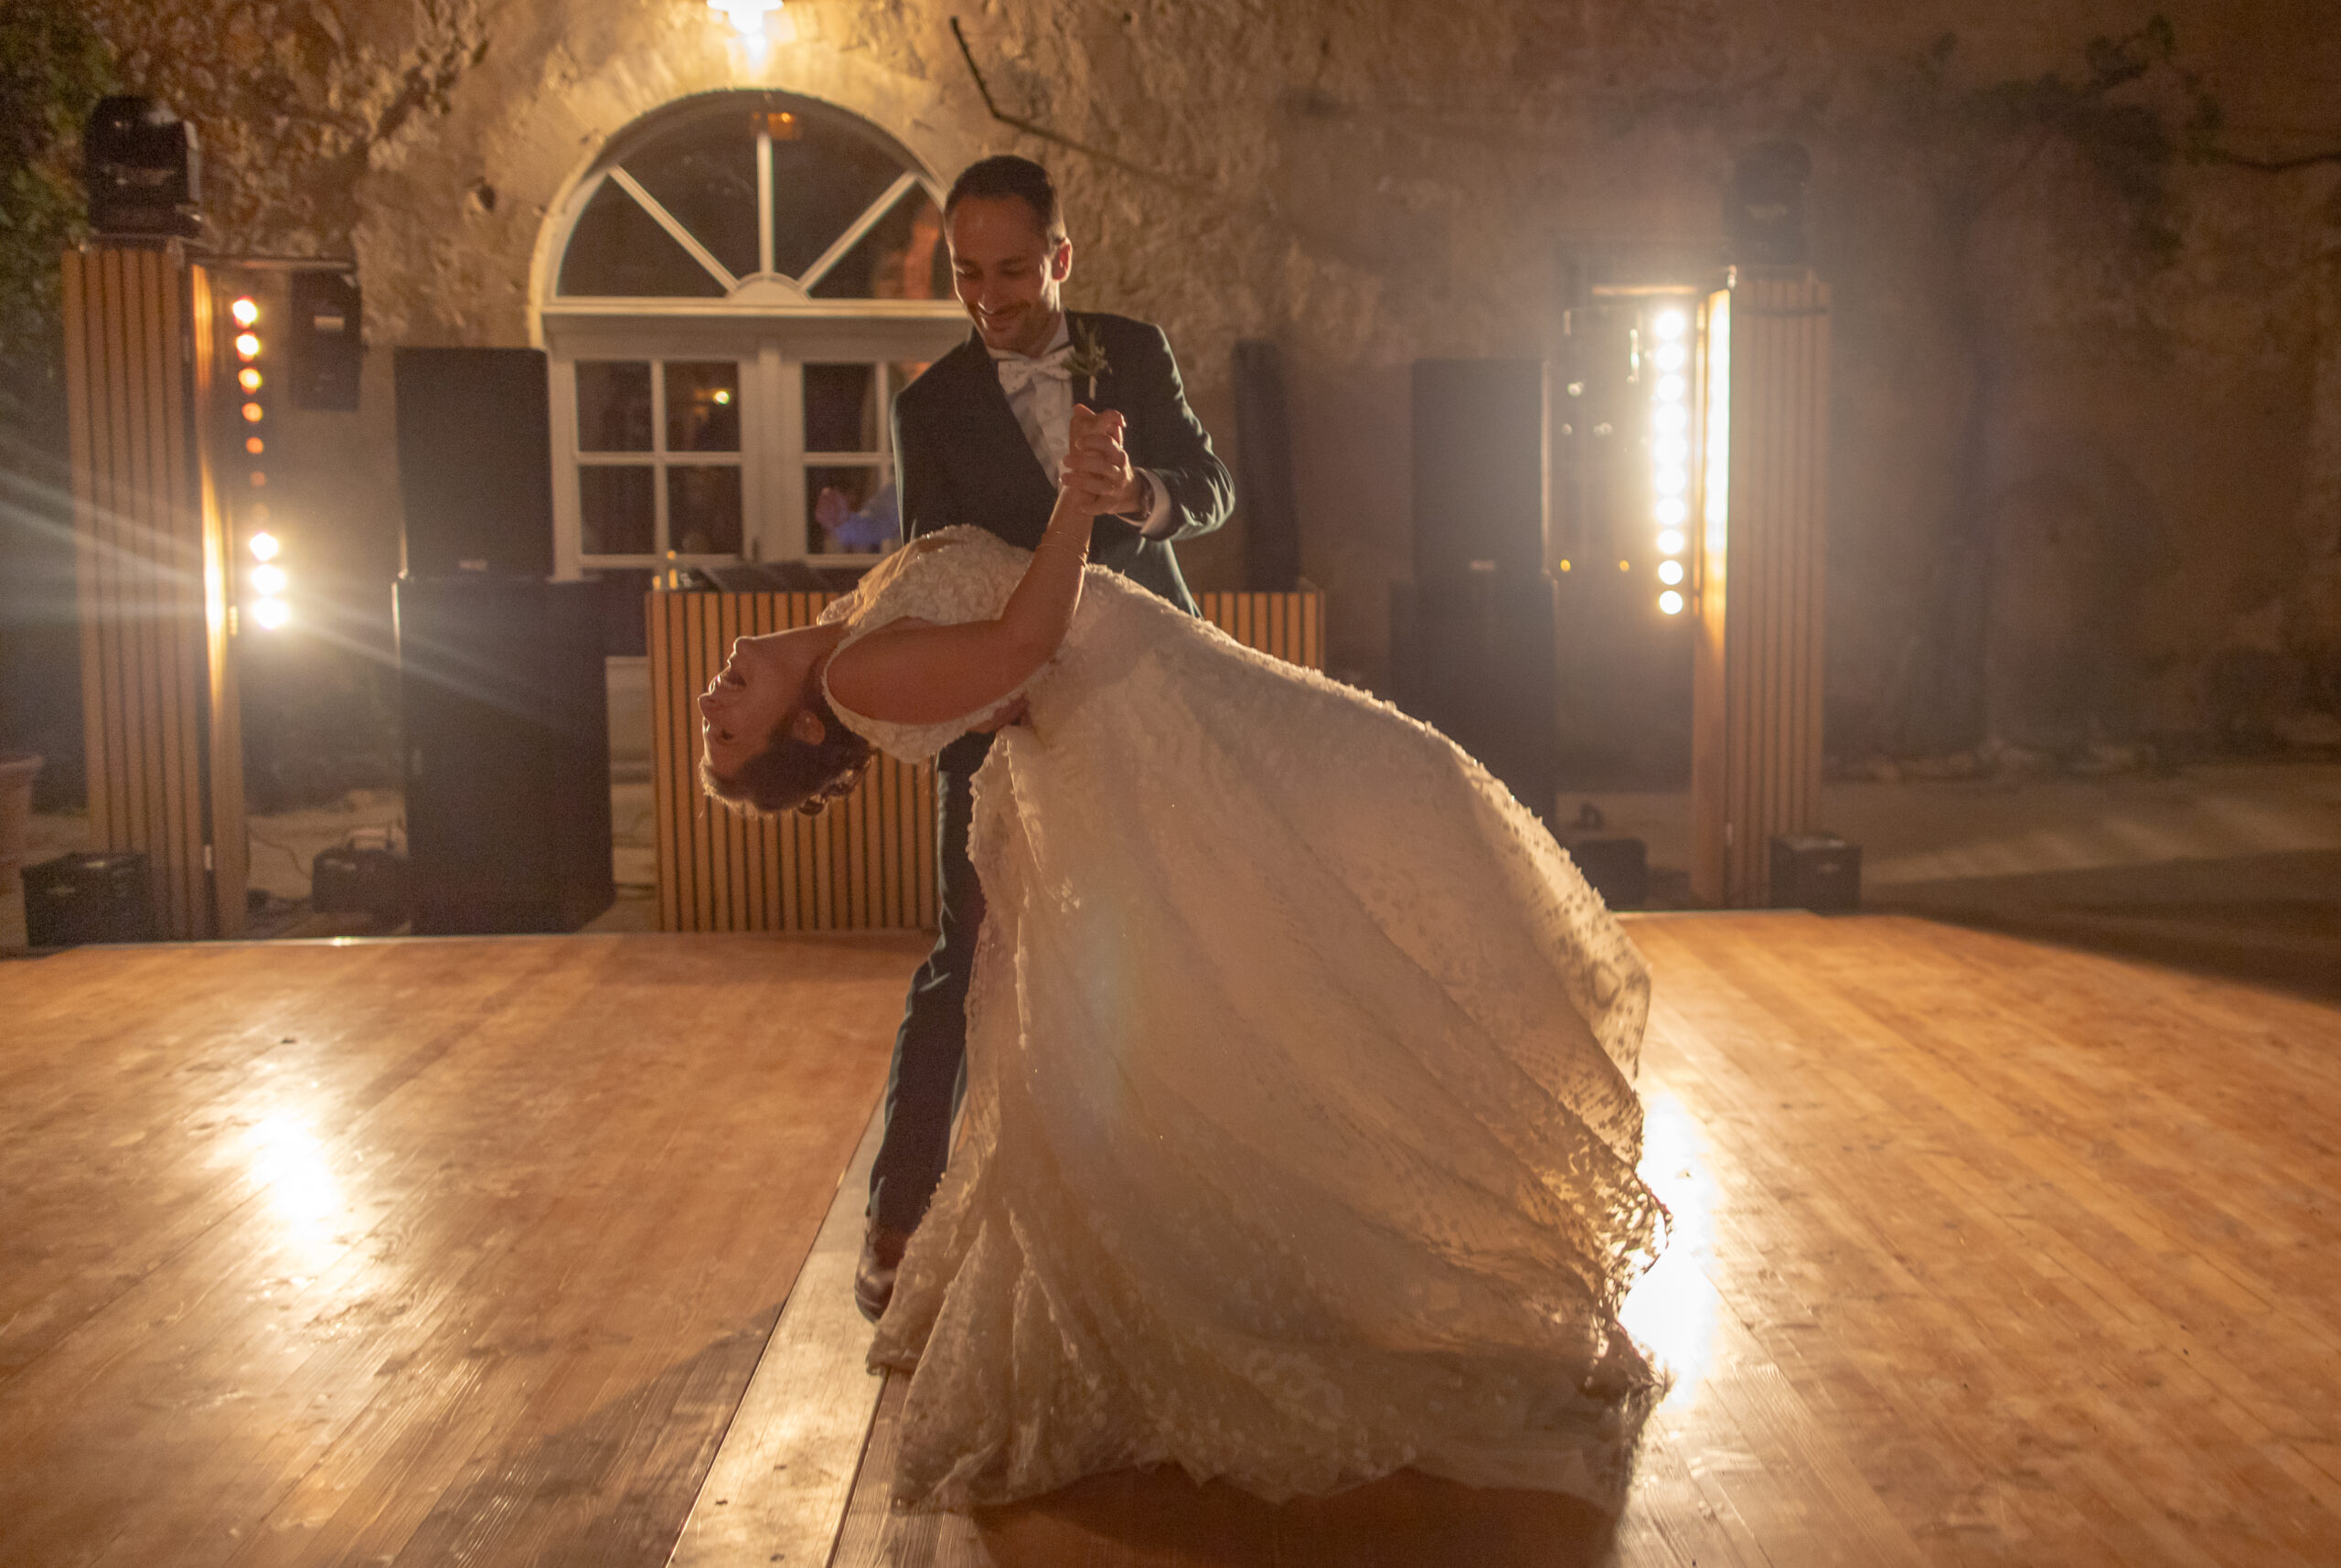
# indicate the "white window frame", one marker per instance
pixel 769 323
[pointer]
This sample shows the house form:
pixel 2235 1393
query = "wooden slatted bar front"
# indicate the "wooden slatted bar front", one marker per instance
pixel 867 863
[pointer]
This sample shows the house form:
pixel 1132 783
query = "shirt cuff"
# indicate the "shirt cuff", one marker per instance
pixel 1158 522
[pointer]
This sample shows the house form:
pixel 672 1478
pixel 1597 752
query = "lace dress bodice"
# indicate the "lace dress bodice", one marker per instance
pixel 956 575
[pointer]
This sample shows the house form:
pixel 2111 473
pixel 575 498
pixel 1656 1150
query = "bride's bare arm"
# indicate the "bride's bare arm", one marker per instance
pixel 925 674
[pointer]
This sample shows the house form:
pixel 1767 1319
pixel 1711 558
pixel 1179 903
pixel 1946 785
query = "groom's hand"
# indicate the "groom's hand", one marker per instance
pixel 1094 461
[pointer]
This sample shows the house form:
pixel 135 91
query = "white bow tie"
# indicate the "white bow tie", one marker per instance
pixel 1018 373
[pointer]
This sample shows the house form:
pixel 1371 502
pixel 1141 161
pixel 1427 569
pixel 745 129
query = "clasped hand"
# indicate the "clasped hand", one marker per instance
pixel 1096 473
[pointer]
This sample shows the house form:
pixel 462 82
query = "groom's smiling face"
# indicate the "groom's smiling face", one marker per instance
pixel 1007 271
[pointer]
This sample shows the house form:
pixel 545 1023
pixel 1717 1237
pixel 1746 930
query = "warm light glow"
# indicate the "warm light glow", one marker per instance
pixel 258 480
pixel 757 21
pixel 1671 1311
pixel 1715 446
pixel 1565 566
pixel 1625 566
pixel 1672 512
pixel 254 445
pixel 248 379
pixel 247 346
pixel 254 414
pixel 1670 571
pixel 1671 542
pixel 724 397
pixel 271 614
pixel 246 311
pixel 1672 419
pixel 269 579
pixel 1673 389
pixel 1671 356
pixel 1671 324
pixel 1670 449
pixel 1672 481
pixel 1671 602
pixel 264 547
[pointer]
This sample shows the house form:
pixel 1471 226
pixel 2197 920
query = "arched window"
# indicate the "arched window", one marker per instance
pixel 739 288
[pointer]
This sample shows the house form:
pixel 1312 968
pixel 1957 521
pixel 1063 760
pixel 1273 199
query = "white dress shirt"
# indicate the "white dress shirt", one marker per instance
pixel 1040 393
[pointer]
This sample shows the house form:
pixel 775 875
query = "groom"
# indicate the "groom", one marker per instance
pixel 981 439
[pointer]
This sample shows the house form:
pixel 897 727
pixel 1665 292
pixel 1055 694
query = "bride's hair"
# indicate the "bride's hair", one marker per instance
pixel 790 773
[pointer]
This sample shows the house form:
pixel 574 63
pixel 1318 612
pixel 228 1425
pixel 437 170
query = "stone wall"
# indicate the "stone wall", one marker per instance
pixel 2088 427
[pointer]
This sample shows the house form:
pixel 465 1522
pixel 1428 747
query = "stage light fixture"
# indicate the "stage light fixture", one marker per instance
pixel 1671 324
pixel 269 580
pixel 1671 356
pixel 1672 450
pixel 254 445
pixel 1671 419
pixel 246 310
pixel 254 414
pixel 264 545
pixel 247 346
pixel 1669 572
pixel 1672 481
pixel 1672 512
pixel 1671 603
pixel 1673 389
pixel 272 615
pixel 248 379
pixel 1671 542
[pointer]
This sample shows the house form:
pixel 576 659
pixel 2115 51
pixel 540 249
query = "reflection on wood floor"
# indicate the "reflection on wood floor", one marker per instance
pixel 472 1253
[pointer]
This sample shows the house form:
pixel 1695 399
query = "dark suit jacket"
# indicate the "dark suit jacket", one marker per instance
pixel 963 458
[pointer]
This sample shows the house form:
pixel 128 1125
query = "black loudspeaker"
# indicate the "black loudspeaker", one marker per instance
pixel 1480 467
pixel 143 170
pixel 475 461
pixel 1763 208
pixel 105 896
pixel 1264 453
pixel 1818 871
pixel 1472 657
pixel 502 689
pixel 327 341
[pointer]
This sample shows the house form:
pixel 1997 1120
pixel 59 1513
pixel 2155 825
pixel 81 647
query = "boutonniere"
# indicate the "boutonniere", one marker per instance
pixel 1087 361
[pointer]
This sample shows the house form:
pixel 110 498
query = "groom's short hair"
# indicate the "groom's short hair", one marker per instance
pixel 1008 175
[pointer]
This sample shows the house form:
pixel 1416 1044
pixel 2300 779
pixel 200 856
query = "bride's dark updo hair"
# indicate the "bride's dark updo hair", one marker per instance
pixel 794 774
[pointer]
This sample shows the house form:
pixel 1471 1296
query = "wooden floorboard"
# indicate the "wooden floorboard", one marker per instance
pixel 1985 1253
pixel 407 1251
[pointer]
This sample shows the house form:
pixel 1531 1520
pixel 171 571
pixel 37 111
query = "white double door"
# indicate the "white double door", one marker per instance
pixel 715 439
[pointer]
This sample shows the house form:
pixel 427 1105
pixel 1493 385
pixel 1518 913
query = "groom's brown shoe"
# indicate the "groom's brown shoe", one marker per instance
pixel 873 1282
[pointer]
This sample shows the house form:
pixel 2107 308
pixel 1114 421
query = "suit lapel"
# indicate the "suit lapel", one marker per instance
pixel 1008 479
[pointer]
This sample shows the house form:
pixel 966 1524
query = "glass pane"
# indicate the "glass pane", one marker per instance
pixel 841 407
pixel 702 406
pixel 704 175
pixel 617 510
pixel 703 511
pixel 618 248
pixel 901 258
pixel 826 172
pixel 613 405
pixel 853 510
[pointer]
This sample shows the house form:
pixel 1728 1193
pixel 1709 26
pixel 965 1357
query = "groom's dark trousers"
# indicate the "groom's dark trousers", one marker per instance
pixel 963 459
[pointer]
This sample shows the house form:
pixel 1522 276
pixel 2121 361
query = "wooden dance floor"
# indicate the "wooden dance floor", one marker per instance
pixel 534 1250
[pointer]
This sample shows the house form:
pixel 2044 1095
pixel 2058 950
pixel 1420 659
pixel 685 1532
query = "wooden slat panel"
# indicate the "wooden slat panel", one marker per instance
pixel 868 863
pixel 163 739
pixel 1757 690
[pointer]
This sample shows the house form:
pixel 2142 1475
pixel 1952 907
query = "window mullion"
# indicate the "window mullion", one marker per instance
pixel 659 458
pixel 764 242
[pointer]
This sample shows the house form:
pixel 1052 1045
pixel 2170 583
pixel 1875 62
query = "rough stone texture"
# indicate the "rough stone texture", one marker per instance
pixel 2071 475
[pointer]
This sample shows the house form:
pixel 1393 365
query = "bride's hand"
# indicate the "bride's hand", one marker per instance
pixel 1083 480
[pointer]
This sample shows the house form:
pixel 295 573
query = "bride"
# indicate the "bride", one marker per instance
pixel 1299 1134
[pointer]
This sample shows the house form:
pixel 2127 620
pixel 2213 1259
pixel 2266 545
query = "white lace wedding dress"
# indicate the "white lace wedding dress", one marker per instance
pixel 1300 1136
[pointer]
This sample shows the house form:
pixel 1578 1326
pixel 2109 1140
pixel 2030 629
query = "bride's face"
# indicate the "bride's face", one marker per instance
pixel 759 686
